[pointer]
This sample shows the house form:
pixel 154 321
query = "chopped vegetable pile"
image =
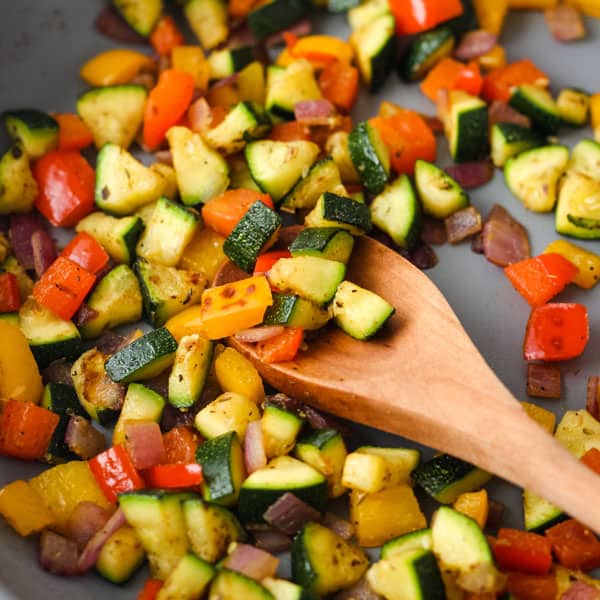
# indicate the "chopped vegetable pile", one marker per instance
pixel 215 188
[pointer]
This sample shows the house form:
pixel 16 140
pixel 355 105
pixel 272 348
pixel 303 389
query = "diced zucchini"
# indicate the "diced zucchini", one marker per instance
pixel 188 580
pixel 425 52
pixel 240 174
pixel 332 243
pixel 280 428
pixel 276 166
pixel 508 140
pixel 574 189
pixel 585 158
pixel 282 589
pixel 533 176
pixel 119 237
pixel 313 278
pixel 168 186
pixel 397 212
pixel 144 358
pixel 359 312
pixel 121 555
pixel 282 474
pixel 370 156
pixel 415 540
pixel 223 468
pixel 276 15
pixel 113 113
pixel 539 514
pixel 202 172
pixel 169 231
pixel 18 188
pixel 227 412
pixel 123 184
pixel 578 431
pixel 62 400
pixel 444 477
pixel 166 290
pixel 293 311
pixel 323 562
pixel 332 210
pixel 141 15
pixel 440 194
pixel 338 148
pixel 228 61
pixel 116 300
pixel 366 12
pixel 254 233
pixel 573 106
pixel 208 20
pixel 400 463
pixel 58 451
pixel 140 404
pixel 467 127
pixel 537 103
pixel 35 131
pixel 231 584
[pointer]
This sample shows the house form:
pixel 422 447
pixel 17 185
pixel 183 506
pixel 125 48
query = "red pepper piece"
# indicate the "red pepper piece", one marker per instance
pixel 574 545
pixel 10 300
pixel 281 347
pixel 265 262
pixel 174 476
pixel 522 551
pixel 531 587
pixel 150 589
pixel 115 473
pixel 414 16
pixel 592 459
pixel 85 251
pixel 499 83
pixel 73 133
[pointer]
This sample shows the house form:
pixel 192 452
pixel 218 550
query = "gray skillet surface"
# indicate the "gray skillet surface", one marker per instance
pixel 43 43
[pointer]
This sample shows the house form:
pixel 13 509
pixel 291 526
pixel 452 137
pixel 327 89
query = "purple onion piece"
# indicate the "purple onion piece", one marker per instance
pixel 423 257
pixel 593 397
pixel 501 112
pixel 543 381
pixel 300 28
pixel 83 439
pixel 309 110
pixel 462 224
pixel 58 554
pixel 505 240
pixel 272 540
pixel 289 514
pixel 91 552
pixel 84 315
pixel 474 44
pixel 44 251
pixel 22 228
pixel 173 417
pixel 86 519
pixel 109 342
pixel 471 174
pixel 495 515
pixel 579 590
pixel 58 371
pixel 433 232
pixel 338 525
pixel 477 243
pixel 251 561
pixel 111 24
pixel 565 23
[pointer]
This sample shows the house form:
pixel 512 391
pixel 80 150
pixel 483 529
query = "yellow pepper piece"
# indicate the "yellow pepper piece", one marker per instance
pixel 384 515
pixel 595 112
pixel 191 59
pixel 235 373
pixel 587 7
pixel 228 308
pixel 63 487
pixel 586 261
pixel 543 417
pixel 532 4
pixel 23 508
pixel 491 14
pixel 493 59
pixel 115 66
pixel 20 377
pixel 224 96
pixel 204 253
pixel 251 83
pixel 474 505
pixel 318 50
pixel 187 322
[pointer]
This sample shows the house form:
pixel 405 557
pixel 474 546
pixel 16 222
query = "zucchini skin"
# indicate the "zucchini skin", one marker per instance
pixel 374 173
pixel 275 16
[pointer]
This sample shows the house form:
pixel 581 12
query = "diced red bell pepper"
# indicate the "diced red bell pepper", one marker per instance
pixel 556 331
pixel 592 459
pixel 450 74
pixel 88 253
pixel 574 545
pixel 165 36
pixel 181 444
pixel 522 551
pixel 531 587
pixel 150 589
pixel 73 133
pixel 264 263
pixel 115 473
pixel 281 347
pixel 10 300
pixel 26 429
pixel 66 187
pixel 414 16
pixel 540 278
pixel 63 287
pixel 339 84
pixel 174 476
pixel 499 83
pixel 290 131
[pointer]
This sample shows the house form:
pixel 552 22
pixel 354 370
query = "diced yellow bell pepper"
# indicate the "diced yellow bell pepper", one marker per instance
pixel 63 487
pixel 204 253
pixel 251 83
pixel 191 59
pixel 364 472
pixel 494 58
pixel 587 7
pixel 491 14
pixel 114 67
pixel 585 260
pixel 235 373
pixel 20 377
pixel 318 50
pixel 532 4
pixel 595 112
pixel 228 308
pixel 384 515
pixel 543 417
pixel 187 322
pixel 23 508
pixel 474 505
pixel 224 96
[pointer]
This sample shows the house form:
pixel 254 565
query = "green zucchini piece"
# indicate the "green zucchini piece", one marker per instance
pixel 141 15
pixel 280 428
pixel 425 52
pixel 397 212
pixel 332 210
pixel 533 175
pixel 415 540
pixel 585 158
pixel 202 172
pixel 400 462
pixel 573 106
pixel 366 12
pixel 140 404
pixel 282 589
pixel 467 127
pixel 58 451
pixel 228 585
pixel 193 359
pixel 226 62
pixel 62 400
pixel 166 291
pixel 144 358
pixel 208 20
pixel 440 194
pixel 121 555
pixel 223 468
pixel 508 140
pixel 12 318
pixel 466 21
pixel 293 311
pixel 444 477
pixel 35 131
pixel 332 243
pixel 574 189
pixel 276 15
pixel 337 146
pixel 539 514
pixel 537 103
pixel 113 113
pixel 228 412
pixel 117 300
pixel 276 166
pixel 18 188
pixel 256 231
pixel 323 562
pixel 240 173
pixel 190 578
pixel 370 156
pixel 310 277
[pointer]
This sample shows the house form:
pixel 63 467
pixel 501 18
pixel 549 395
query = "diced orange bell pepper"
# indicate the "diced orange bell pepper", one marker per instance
pixel 73 133
pixel 191 59
pixel 166 36
pixel 187 322
pixel 451 74
pixel 181 444
pixel 23 508
pixel 319 50
pixel 290 131
pixel 414 16
pixel 282 347
pixel 499 83
pixel 150 589
pixel 114 67
pixel 592 459
pixel 595 114
pixel 587 7
pixel 474 505
pixel 339 84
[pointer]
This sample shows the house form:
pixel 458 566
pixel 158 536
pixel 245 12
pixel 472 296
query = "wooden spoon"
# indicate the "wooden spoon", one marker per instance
pixel 423 378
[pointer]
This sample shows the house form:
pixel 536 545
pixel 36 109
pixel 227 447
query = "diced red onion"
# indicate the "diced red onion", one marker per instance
pixel 495 515
pixel 90 554
pixel 199 116
pixel 173 417
pixel 145 79
pixel 471 174
pixel 543 381
pixel 580 590
pixel 58 554
pixel 58 371
pixel 109 342
pixel 289 514
pixel 359 591
pixel 228 272
pixel 477 243
pixel 433 232
pixel 338 525
pixel 4 224
pixel 301 28
pixel 144 443
pixel 286 236
pixel 22 228
pixel 251 561
pixel 272 540
pixel 224 81
pixel 240 35
pixel 164 157
pixel 501 112
pixel 44 251
pixel 565 23
pixel 84 315
pixel 314 112
pixel 593 397
pixel 474 44
pixel 423 257
pixel 258 334
pixel 86 519
pixel 255 456
pixel 112 25
pixel 83 439
pixel 462 224
pixel 505 240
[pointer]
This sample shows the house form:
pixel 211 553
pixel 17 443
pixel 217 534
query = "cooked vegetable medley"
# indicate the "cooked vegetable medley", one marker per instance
pixel 164 445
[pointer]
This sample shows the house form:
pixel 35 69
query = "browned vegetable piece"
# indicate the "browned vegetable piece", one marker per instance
pixel 543 381
pixel 593 397
pixel 565 23
pixel 462 224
